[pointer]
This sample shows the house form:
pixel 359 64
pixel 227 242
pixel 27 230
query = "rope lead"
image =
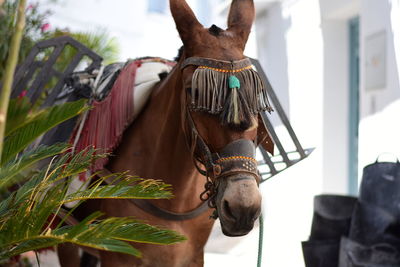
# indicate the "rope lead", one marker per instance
pixel 260 240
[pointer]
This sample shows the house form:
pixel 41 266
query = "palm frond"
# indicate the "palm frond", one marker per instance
pixel 100 42
pixel 26 216
pixel 64 166
pixel 136 231
pixel 123 187
pixel 47 119
pixel 95 235
pixel 9 172
pixel 110 234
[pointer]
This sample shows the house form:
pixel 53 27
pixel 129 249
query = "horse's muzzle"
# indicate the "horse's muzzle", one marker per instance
pixel 238 205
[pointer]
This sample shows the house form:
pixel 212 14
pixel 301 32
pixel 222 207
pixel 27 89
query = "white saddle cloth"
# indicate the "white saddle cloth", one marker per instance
pixel 147 75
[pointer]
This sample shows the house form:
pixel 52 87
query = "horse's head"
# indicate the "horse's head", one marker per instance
pixel 221 105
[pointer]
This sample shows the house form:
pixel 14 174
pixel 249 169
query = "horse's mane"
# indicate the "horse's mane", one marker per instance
pixel 180 53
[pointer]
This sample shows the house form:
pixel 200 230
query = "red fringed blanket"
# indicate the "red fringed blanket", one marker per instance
pixel 107 120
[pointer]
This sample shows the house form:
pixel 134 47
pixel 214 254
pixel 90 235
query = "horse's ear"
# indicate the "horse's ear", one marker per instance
pixel 185 20
pixel 240 19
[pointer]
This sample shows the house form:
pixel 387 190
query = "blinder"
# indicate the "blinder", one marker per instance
pixel 237 157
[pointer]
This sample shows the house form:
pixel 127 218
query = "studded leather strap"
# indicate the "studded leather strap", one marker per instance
pixel 217 64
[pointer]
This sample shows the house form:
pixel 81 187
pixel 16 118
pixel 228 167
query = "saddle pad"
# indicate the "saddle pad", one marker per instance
pixel 102 127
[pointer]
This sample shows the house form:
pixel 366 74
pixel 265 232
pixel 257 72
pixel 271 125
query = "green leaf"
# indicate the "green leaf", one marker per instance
pixel 18 114
pixel 124 187
pixel 110 234
pixel 25 215
pixel 65 166
pixel 145 233
pixel 48 119
pixel 14 168
pixel 42 193
pixel 50 240
pixel 99 41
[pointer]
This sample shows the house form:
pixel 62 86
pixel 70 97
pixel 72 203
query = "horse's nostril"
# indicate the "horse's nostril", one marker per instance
pixel 228 210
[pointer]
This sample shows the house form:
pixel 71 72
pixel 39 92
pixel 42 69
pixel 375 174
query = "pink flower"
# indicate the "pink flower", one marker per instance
pixel 45 27
pixel 22 94
pixel 32 6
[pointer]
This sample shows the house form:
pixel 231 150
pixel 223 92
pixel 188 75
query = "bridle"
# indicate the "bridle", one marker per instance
pixel 237 157
pixel 226 163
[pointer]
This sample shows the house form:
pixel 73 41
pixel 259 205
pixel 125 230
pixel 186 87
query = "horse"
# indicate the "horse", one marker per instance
pixel 202 120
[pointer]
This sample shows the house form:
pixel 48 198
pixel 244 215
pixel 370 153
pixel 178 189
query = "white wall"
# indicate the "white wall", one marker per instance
pixel 290 50
pixel 339 9
pixel 376 17
pixel 335 23
pixel 138 32
pixel 336 106
pixel 271 30
pixel 395 19
pixel 310 73
pixel 378 126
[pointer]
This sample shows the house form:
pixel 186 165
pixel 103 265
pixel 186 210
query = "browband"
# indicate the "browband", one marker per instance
pixel 217 64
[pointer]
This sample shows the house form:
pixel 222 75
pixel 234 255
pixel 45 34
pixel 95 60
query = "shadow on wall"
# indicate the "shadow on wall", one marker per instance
pixel 271 29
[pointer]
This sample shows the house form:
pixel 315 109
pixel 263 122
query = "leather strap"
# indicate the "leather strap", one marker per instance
pixel 152 209
pixel 263 136
pixel 207 160
pixel 217 64
pixel 169 215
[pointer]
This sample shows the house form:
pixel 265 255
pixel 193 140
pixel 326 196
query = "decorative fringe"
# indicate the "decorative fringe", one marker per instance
pixel 236 111
pixel 109 118
pixel 210 92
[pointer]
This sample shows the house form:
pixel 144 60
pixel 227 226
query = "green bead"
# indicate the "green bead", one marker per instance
pixel 234 82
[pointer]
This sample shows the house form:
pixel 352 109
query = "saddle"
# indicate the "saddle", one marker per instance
pixel 117 93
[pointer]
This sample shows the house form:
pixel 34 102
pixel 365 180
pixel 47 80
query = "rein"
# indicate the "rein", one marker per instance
pixel 152 209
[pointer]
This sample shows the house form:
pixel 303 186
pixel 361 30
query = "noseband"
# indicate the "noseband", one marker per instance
pixel 236 158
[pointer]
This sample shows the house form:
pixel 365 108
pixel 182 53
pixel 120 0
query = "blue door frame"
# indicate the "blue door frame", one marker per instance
pixel 354 98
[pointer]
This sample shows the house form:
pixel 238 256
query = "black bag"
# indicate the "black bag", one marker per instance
pixel 363 232
pixel 381 186
pixel 353 254
pixel 331 221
